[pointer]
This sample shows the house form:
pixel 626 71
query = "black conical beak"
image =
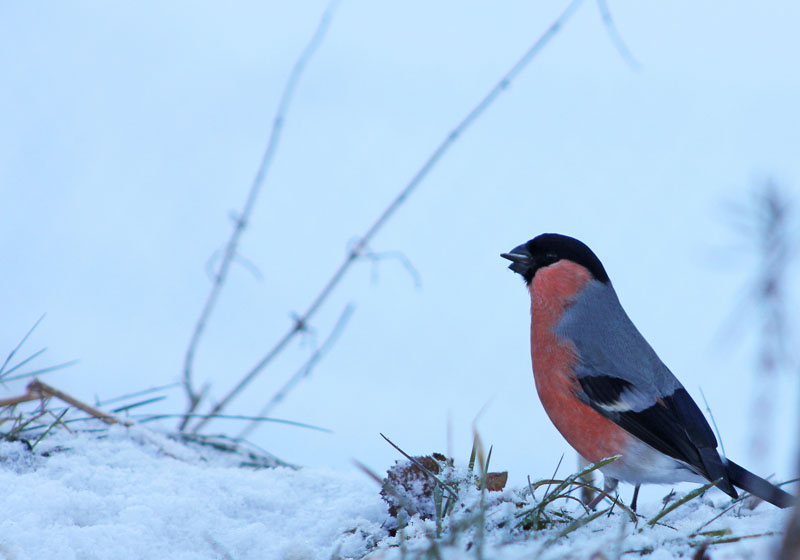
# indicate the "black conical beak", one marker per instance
pixel 520 258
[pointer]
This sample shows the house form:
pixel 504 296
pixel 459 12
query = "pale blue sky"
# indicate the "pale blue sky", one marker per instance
pixel 130 132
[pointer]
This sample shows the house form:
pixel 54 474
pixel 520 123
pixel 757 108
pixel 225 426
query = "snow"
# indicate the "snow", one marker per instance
pixel 132 493
pixel 146 496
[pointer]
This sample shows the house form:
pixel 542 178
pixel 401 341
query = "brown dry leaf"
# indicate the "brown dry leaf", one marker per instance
pixel 496 481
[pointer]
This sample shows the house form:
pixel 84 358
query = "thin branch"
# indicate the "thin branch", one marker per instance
pixel 241 222
pixel 305 369
pixel 247 264
pixel 376 258
pixel 616 38
pixel 18 400
pixel 363 243
pixel 36 390
pixel 41 389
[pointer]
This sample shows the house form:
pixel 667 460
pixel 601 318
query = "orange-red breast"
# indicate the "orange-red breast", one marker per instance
pixel 604 387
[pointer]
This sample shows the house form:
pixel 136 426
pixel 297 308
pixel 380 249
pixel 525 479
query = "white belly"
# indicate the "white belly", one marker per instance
pixel 642 464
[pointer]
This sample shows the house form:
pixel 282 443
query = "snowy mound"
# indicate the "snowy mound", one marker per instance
pixel 134 494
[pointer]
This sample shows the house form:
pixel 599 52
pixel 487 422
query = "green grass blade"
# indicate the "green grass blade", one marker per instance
pixel 687 498
pixel 47 431
pixel 577 524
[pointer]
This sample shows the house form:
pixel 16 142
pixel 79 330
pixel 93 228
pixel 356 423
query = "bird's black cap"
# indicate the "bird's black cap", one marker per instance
pixel 549 248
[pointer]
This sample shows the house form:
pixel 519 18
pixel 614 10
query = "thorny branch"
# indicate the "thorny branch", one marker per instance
pixel 361 245
pixel 241 222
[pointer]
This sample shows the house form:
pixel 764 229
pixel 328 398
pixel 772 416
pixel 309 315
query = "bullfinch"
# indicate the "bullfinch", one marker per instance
pixel 604 387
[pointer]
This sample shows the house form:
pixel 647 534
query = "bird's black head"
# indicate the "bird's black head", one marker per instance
pixel 549 248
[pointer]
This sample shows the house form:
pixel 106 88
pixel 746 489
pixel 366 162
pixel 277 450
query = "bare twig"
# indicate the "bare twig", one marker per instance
pixel 247 264
pixel 305 369
pixel 376 258
pixel 36 390
pixel 616 38
pixel 18 400
pixel 774 249
pixel 362 244
pixel 241 221
pixel 765 223
pixel 42 390
pixel 790 547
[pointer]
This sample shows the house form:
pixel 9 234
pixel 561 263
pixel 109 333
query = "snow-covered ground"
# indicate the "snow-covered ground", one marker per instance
pixel 134 493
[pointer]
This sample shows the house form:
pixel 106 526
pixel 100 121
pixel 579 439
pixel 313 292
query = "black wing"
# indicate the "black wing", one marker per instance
pixel 673 425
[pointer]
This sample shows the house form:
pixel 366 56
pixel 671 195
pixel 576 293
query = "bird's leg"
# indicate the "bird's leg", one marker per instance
pixel 635 496
pixel 609 484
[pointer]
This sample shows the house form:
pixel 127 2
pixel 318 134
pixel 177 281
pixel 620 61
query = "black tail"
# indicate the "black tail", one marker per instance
pixel 757 486
pixel 716 469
